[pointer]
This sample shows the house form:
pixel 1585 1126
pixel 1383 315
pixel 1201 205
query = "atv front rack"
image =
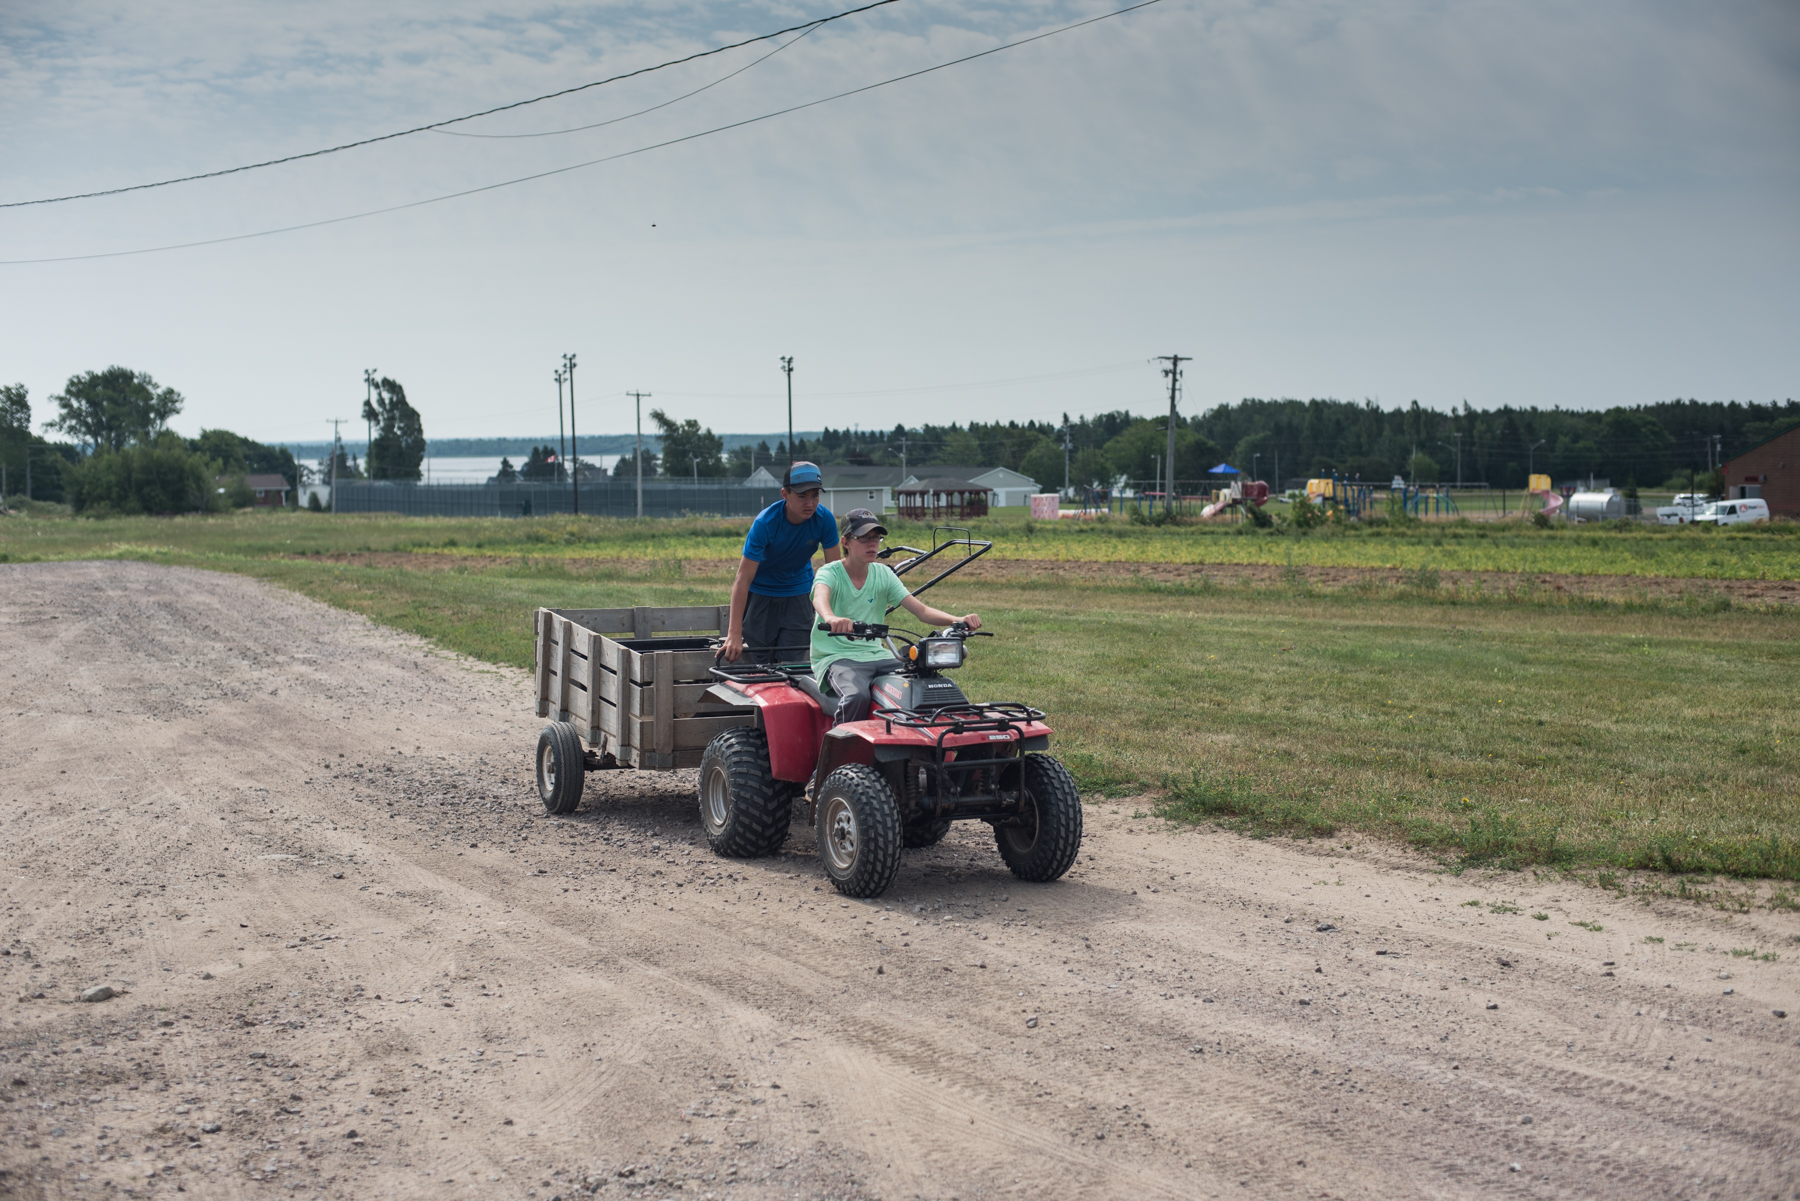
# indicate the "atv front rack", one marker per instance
pixel 965 718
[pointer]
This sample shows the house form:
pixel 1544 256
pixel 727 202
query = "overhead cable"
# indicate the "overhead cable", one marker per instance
pixel 808 26
pixel 507 183
pixel 550 133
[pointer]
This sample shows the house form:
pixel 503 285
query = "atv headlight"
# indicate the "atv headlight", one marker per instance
pixel 943 652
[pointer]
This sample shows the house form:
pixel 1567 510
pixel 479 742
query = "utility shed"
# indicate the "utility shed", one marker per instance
pixel 1770 471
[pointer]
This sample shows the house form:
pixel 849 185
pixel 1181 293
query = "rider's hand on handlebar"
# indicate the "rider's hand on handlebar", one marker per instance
pixel 734 647
pixel 840 625
pixel 970 620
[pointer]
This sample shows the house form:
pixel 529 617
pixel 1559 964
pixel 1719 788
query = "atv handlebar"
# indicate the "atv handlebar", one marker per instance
pixel 874 630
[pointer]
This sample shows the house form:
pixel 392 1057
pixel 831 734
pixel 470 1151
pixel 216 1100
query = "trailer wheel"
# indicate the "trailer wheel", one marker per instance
pixel 559 767
pixel 924 834
pixel 1042 844
pixel 858 825
pixel 744 809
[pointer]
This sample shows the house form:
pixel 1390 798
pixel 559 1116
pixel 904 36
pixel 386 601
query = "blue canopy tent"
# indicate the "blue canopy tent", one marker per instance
pixel 1226 469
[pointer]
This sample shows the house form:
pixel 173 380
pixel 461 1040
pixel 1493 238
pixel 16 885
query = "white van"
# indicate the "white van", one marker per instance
pixel 1683 510
pixel 1734 512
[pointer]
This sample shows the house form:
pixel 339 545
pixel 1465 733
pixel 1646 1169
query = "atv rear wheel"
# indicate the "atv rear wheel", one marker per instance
pixel 560 765
pixel 858 825
pixel 1042 844
pixel 744 809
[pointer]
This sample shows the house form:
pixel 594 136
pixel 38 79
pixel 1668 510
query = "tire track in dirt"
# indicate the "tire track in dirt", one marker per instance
pixel 626 1001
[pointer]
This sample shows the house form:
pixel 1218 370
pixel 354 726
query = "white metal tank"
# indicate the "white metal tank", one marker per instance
pixel 1596 506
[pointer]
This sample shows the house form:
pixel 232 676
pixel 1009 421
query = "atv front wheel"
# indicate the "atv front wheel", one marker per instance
pixel 744 809
pixel 560 765
pixel 858 825
pixel 1042 844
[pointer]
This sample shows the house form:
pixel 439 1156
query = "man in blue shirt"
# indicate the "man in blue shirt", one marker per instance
pixel 771 599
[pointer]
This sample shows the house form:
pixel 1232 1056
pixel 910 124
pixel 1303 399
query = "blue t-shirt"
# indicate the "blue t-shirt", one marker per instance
pixel 785 550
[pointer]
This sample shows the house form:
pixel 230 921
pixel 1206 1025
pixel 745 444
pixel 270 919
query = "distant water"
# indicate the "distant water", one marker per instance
pixel 480 469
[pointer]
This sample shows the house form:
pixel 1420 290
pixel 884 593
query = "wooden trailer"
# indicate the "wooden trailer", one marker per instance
pixel 632 683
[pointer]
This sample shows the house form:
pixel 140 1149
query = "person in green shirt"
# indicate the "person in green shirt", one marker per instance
pixel 857 588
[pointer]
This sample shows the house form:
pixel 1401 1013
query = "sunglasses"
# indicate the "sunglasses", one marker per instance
pixel 867 539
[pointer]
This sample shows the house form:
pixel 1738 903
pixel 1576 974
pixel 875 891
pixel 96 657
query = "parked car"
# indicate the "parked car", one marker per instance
pixel 1733 512
pixel 1683 510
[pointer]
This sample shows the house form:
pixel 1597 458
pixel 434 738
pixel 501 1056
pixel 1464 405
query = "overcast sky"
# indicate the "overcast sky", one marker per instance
pixel 1576 204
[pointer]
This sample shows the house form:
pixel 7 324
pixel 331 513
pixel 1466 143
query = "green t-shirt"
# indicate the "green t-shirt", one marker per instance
pixel 869 603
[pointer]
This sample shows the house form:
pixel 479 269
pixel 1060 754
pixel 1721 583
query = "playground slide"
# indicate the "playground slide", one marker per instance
pixel 1216 507
pixel 1552 502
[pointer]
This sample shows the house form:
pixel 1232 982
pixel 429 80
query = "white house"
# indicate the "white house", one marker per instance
pixel 1009 487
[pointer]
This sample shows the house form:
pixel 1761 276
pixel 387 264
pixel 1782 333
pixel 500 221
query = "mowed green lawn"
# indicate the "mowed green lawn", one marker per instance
pixel 1490 732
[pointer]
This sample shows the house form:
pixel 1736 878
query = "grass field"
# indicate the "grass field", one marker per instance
pixel 1602 736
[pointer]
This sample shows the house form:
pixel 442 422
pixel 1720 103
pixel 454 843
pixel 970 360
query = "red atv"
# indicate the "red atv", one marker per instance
pixel 925 757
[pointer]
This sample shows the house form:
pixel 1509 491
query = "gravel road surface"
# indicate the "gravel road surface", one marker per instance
pixel 352 958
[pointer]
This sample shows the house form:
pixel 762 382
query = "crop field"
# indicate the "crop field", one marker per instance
pixel 1768 552
pixel 1611 737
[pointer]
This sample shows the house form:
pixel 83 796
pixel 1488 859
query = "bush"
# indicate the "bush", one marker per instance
pixel 163 476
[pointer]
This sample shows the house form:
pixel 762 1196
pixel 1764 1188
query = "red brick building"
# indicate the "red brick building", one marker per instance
pixel 1771 471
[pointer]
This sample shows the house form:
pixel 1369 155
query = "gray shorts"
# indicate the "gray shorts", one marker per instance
pixel 850 680
pixel 778 629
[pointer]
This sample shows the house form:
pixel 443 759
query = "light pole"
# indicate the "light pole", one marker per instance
pixel 638 458
pixel 696 462
pixel 787 367
pixel 574 442
pixel 1531 458
pixel 1253 461
pixel 1457 451
pixel 562 449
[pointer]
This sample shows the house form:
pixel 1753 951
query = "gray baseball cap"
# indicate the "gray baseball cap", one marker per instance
pixel 859 523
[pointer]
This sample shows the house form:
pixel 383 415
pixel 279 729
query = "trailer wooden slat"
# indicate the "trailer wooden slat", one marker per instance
pixel 646 707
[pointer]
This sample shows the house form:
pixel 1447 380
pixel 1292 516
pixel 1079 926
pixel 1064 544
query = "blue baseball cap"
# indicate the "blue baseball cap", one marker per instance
pixel 802 473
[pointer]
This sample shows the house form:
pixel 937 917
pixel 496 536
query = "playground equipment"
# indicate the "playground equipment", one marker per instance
pixel 1255 493
pixel 1539 485
pixel 1426 500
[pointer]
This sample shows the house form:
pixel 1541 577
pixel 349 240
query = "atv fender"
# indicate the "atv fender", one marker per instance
pixel 791 719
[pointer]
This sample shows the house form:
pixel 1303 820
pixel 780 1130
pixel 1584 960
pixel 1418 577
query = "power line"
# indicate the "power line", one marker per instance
pixel 286 229
pixel 808 26
pixel 550 133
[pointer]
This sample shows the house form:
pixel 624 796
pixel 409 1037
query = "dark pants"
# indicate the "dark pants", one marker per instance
pixel 778 629
pixel 850 680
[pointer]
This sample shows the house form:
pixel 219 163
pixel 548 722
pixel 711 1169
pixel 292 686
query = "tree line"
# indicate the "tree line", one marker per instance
pixel 122 457
pixel 1650 446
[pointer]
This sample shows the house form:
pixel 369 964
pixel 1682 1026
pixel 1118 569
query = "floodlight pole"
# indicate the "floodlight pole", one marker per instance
pixel 787 367
pixel 1173 371
pixel 562 449
pixel 638 458
pixel 574 442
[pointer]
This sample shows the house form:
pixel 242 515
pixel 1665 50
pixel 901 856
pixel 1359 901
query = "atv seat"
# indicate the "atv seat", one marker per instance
pixel 805 683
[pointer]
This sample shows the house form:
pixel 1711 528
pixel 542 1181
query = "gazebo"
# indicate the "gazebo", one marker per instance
pixel 942 497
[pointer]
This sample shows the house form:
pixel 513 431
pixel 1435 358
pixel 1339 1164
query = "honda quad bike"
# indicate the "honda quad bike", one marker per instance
pixel 925 757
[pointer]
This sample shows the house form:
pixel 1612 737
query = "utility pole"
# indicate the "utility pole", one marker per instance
pixel 337 448
pixel 787 367
pixel 696 461
pixel 1065 442
pixel 1718 452
pixel 562 450
pixel 638 458
pixel 369 413
pixel 1531 457
pixel 1253 461
pixel 903 458
pixel 574 442
pixel 1173 371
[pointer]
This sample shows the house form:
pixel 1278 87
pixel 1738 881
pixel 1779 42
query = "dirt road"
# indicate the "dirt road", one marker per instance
pixel 356 960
